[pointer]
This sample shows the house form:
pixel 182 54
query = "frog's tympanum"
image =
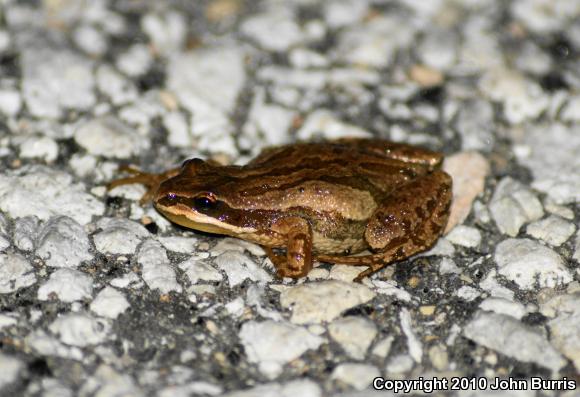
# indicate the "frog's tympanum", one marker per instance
pixel 325 201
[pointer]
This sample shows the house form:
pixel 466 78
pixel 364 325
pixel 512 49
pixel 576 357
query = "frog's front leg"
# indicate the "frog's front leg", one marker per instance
pixel 151 181
pixel 298 260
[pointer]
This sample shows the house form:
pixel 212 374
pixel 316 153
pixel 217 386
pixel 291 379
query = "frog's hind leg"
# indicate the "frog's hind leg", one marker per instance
pixel 151 181
pixel 410 221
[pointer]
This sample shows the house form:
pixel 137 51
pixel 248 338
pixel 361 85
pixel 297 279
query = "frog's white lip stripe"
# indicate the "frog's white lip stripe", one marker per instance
pixel 184 216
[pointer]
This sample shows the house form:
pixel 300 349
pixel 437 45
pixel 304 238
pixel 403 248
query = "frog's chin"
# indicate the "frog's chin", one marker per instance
pixel 204 224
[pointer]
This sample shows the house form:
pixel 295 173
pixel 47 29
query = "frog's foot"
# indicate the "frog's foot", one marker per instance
pixel 285 268
pixel 151 181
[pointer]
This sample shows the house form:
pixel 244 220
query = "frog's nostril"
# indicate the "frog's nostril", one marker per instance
pixel 167 199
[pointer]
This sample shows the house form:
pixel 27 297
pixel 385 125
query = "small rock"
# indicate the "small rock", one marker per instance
pixel 390 288
pixel 438 49
pixel 576 255
pixel 323 301
pixel 465 236
pixel 114 85
pixel 15 273
pixel 68 285
pixel 70 76
pixel 557 176
pixel 512 205
pixel 183 245
pixel 468 170
pixel 7 320
pixel 135 61
pixel 25 232
pixel 260 27
pixel 354 334
pixel 448 266
pixel 474 122
pixel 62 242
pixel 522 99
pixel 156 268
pixel 425 76
pixel 527 262
pixel 266 123
pixel 400 364
pixel 90 40
pixel 207 82
pixel 77 329
pixel 197 269
pixel 413 343
pixel 508 336
pixel 119 236
pixel 322 123
pixel 46 345
pixel 10 368
pixel 179 131
pixel 553 230
pixel 302 388
pixel 109 137
pixel 383 347
pixel 44 192
pixel 261 342
pixel 10 102
pixel 467 293
pixel 358 376
pixel 504 306
pixel 239 267
pixel 43 148
pixel 107 381
pixel 338 14
pixel 373 44
pixel 494 288
pixel 167 31
pixel 109 303
pixel 565 324
pixel 439 357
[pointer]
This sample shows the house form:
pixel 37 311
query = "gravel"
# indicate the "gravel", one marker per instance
pixel 102 296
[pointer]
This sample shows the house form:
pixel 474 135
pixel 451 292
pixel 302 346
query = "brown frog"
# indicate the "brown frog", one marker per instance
pixel 323 201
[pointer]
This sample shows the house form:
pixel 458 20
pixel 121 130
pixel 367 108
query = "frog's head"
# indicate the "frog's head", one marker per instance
pixel 197 198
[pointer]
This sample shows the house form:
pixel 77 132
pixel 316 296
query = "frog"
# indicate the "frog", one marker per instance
pixel 351 201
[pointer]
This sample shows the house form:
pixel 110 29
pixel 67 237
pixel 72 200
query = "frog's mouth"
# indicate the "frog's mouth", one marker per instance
pixel 184 216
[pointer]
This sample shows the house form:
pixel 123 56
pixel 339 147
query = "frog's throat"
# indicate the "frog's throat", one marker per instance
pixel 201 222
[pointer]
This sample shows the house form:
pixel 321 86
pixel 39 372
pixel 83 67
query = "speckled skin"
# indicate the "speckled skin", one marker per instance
pixel 323 200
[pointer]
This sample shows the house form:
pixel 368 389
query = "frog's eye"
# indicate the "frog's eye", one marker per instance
pixel 205 202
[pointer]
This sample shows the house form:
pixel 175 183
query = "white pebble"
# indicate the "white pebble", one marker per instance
pixel 465 236
pixel 323 301
pixel 79 329
pixel 68 285
pixel 45 192
pixel 554 230
pixel 156 269
pixel 354 334
pixel 15 273
pixel 62 242
pixel 261 342
pixel 510 337
pixel 109 303
pixel 197 269
pixel 528 263
pixel 10 368
pixel 358 376
pixel 10 102
pixel 109 137
pixel 119 236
